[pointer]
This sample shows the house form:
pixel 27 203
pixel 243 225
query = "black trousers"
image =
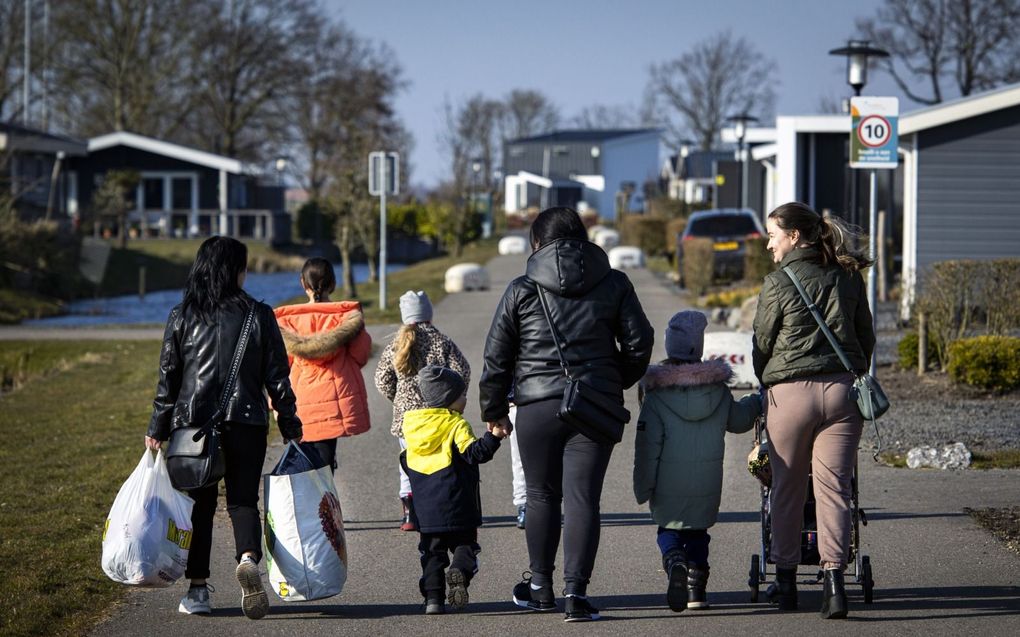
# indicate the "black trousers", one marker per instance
pixel 244 451
pixel 434 549
pixel 327 452
pixel 563 469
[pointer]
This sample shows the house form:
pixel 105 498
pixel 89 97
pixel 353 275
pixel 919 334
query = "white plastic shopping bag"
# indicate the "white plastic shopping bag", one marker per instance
pixel 148 531
pixel 306 550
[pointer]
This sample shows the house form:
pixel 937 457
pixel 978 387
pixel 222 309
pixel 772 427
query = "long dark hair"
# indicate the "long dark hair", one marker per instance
pixel 318 276
pixel 557 223
pixel 212 281
pixel 832 236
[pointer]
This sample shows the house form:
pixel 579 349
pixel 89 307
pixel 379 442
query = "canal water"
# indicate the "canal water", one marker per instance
pixel 271 287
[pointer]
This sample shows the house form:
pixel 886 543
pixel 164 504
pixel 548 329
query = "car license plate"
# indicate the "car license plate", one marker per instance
pixel 726 245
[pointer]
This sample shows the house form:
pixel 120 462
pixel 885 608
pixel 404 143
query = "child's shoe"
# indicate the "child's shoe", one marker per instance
pixel 522 514
pixel 408 522
pixel 527 596
pixel 435 606
pixel 579 609
pixel 697 580
pixel 457 588
pixel 675 565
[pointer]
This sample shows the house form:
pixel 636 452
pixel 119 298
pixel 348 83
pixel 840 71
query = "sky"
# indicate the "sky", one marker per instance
pixel 581 52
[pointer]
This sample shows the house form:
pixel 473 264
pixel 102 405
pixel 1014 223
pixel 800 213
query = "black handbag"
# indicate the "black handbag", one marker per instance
pixel 866 392
pixel 193 455
pixel 584 408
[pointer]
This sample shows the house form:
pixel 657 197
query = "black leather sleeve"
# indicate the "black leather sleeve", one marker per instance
pixel 277 374
pixel 500 358
pixel 170 374
pixel 635 336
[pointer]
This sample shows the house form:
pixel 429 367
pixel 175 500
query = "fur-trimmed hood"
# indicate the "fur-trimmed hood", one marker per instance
pixel 692 392
pixel 324 344
pixel 690 375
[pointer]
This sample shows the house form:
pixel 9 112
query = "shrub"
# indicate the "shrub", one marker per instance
pixel 734 297
pixel 698 264
pixel 674 228
pixel 647 233
pixel 757 260
pixel 988 362
pixel 908 349
pixel 38 256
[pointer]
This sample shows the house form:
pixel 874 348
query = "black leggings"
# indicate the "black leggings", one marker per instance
pixel 244 450
pixel 560 466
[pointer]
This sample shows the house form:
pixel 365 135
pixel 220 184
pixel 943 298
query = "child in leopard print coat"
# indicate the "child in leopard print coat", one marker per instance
pixel 418 344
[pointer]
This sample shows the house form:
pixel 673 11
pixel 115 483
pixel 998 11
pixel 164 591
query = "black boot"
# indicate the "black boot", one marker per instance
pixel 675 564
pixel 786 579
pixel 409 522
pixel 834 595
pixel 697 580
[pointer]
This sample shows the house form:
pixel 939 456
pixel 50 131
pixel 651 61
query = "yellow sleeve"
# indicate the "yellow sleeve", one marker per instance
pixel 463 436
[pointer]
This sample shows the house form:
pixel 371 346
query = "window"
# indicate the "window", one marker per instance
pixel 516 151
pixel 180 193
pixel 560 150
pixel 152 193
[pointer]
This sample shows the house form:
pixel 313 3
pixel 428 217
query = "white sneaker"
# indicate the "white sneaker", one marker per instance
pixel 254 601
pixel 196 602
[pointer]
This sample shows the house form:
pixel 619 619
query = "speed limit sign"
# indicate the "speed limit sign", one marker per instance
pixel 873 138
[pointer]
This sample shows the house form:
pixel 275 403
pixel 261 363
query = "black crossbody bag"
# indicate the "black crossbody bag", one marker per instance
pixel 193 455
pixel 584 408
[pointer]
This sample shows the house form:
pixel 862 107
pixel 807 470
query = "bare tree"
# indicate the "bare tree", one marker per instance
pixel 112 199
pixel 526 113
pixel 718 77
pixel 973 45
pixel 123 65
pixel 603 116
pixel 830 105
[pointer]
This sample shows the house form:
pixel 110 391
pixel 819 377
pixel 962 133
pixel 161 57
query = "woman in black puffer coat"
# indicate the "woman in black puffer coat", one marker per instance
pixel 198 348
pixel 607 342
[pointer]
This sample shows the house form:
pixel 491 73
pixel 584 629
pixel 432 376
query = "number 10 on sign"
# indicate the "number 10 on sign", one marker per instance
pixel 873 138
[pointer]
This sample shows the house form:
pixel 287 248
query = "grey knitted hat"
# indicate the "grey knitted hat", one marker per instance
pixel 685 336
pixel 415 307
pixel 440 386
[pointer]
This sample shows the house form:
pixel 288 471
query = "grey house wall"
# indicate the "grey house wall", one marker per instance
pixel 968 189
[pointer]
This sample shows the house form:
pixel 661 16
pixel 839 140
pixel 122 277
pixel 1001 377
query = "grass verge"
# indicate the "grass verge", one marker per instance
pixel 67 443
pixel 18 305
pixel 998 459
pixel 428 275
pixel 1003 523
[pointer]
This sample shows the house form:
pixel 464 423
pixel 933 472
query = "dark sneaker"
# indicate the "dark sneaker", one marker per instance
pixel 521 513
pixel 579 609
pixel 435 607
pixel 254 601
pixel 457 588
pixel 676 593
pixel 540 599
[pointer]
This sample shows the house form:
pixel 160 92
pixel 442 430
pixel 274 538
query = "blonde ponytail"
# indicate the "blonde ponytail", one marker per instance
pixel 403 346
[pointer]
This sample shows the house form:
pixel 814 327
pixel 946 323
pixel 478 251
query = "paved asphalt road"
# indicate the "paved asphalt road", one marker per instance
pixel 936 572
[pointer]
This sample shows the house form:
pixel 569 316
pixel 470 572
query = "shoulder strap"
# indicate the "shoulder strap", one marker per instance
pixel 552 329
pixel 815 312
pixel 235 364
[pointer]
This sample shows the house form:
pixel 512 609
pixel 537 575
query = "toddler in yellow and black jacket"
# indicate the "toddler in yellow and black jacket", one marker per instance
pixel 441 461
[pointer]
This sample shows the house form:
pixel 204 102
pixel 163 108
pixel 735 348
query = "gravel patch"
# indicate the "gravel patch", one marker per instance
pixel 1004 524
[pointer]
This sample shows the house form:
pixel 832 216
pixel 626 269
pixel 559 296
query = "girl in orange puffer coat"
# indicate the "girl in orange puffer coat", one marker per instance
pixel 327 346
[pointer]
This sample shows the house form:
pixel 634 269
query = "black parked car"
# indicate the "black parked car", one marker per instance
pixel 729 229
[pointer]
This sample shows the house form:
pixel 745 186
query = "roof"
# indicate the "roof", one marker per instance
pixel 960 108
pixel 32 139
pixel 167 149
pixel 584 135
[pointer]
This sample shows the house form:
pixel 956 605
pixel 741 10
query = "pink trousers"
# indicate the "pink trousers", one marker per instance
pixel 813 425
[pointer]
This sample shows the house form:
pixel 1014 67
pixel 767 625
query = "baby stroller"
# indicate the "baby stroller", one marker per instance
pixel 860 564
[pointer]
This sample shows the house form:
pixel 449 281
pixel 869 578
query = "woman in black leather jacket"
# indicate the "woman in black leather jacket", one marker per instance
pixel 198 347
pixel 607 341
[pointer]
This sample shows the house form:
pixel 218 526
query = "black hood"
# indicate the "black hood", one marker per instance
pixel 568 267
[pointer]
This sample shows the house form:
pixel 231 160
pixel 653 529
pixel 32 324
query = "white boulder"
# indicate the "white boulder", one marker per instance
pixel 465 277
pixel 514 244
pixel 622 257
pixel 606 239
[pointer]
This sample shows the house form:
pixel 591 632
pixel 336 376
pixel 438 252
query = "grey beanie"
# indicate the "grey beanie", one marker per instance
pixel 440 386
pixel 415 307
pixel 685 336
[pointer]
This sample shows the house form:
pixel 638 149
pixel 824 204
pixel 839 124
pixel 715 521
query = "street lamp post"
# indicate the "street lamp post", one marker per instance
pixel 740 122
pixel 857 53
pixel 476 169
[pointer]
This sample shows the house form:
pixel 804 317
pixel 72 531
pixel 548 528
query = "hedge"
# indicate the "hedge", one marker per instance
pixel 647 233
pixel 698 264
pixel 757 260
pixel 908 348
pixel 988 362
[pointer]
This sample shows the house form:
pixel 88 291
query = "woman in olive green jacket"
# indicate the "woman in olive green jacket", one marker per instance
pixel 813 422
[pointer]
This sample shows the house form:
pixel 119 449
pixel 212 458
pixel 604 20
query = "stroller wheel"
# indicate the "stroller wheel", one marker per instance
pixel 754 577
pixel 866 580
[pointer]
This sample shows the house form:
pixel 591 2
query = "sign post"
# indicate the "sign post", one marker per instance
pixel 873 142
pixel 383 179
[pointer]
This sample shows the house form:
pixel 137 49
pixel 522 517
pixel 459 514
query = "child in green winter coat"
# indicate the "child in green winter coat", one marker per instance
pixel 686 410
